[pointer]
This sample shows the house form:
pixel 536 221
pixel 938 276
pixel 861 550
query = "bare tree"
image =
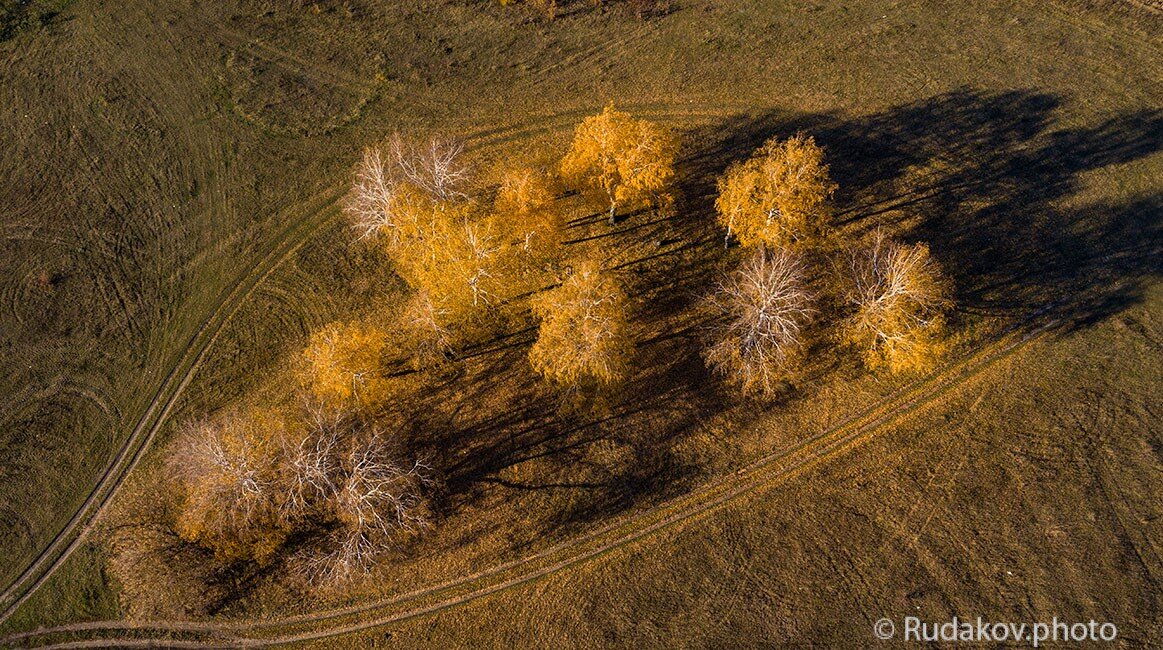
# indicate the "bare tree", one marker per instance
pixel 379 494
pixel 311 465
pixel 767 305
pixel 378 500
pixel 900 298
pixel 227 473
pixel 373 188
pixel 377 203
pixel 426 325
pixel 433 165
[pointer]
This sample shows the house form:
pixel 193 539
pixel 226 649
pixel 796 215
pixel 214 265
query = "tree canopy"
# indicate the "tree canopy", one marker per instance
pixel 583 341
pixel 899 296
pixel 622 159
pixel 779 196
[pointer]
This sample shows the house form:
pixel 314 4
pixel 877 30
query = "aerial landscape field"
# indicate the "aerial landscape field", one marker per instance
pixel 581 323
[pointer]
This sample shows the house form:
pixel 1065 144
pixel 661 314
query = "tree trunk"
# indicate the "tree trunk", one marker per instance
pixel 613 204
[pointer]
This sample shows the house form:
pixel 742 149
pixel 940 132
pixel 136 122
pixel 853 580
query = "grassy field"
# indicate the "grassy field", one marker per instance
pixel 170 233
pixel 955 511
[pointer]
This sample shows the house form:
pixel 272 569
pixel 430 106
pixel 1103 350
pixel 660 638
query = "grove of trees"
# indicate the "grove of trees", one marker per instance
pixel 892 297
pixel 321 478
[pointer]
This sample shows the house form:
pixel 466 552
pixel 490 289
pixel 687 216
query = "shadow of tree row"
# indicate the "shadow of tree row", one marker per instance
pixel 985 178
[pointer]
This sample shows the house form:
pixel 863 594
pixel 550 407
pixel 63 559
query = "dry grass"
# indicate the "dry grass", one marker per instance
pixel 957 512
pixel 157 155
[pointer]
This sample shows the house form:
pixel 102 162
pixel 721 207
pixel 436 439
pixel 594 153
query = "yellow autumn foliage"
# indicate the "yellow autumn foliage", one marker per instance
pixel 523 190
pixel 779 196
pixel 467 260
pixel 533 222
pixel 626 161
pixel 583 341
pixel 343 362
pixel 900 297
pixel 227 473
pixel 464 257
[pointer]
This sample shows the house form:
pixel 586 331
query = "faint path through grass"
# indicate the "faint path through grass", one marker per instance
pixel 766 471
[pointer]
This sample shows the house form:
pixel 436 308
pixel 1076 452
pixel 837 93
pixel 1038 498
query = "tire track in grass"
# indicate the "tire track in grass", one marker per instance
pixel 261 49
pixel 130 452
pixel 764 472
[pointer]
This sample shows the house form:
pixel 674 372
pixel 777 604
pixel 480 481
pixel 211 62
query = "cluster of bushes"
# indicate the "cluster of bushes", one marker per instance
pixel 239 487
pixel 321 483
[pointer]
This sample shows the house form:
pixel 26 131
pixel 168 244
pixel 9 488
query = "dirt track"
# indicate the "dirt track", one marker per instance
pixel 764 472
pixel 155 415
pixel 309 220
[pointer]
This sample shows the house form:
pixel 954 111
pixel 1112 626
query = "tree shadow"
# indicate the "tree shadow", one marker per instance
pixel 989 180
pixel 996 210
pixel 986 179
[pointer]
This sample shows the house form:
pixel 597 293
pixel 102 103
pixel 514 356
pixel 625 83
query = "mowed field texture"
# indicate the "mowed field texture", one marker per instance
pixel 168 189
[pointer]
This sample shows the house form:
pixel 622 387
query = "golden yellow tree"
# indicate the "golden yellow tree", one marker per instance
pixel 778 197
pixel 767 306
pixel 527 211
pixel 461 261
pixel 466 261
pixel 583 343
pixel 900 297
pixel 342 362
pixel 227 473
pixel 523 190
pixel 626 160
pixel 465 258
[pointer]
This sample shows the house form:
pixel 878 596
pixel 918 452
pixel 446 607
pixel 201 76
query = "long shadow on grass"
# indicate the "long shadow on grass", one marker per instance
pixel 985 178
